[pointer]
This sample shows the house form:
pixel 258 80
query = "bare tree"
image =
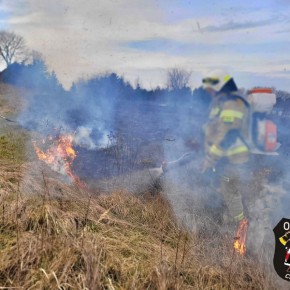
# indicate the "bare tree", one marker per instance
pixel 178 78
pixel 35 55
pixel 12 47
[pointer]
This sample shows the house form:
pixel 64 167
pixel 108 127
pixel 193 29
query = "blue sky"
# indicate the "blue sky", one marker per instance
pixel 4 16
pixel 142 39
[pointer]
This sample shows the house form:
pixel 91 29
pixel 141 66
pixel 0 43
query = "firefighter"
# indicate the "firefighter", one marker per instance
pixel 225 149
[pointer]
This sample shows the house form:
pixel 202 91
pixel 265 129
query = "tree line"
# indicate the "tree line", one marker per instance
pixel 27 68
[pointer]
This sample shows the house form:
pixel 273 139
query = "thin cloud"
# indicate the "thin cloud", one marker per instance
pixel 82 38
pixel 237 25
pixel 283 31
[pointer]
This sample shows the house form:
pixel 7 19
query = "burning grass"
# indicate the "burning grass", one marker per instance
pixel 55 235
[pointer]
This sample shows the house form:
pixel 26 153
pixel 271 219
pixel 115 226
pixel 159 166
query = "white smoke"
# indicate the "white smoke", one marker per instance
pixel 83 138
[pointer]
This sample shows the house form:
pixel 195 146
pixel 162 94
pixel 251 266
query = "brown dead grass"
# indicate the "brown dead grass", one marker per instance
pixel 73 240
pixel 11 100
pixel 55 236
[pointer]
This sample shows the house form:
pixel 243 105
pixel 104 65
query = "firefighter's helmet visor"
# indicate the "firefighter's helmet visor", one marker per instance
pixel 210 81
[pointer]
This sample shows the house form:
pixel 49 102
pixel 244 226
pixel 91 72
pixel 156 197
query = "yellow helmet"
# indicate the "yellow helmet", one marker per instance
pixel 219 82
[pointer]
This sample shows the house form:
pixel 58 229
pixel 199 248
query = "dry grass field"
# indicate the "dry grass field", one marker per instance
pixel 55 235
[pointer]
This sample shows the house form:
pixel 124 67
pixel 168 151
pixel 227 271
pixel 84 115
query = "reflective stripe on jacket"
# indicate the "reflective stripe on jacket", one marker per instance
pixel 236 153
pixel 228 123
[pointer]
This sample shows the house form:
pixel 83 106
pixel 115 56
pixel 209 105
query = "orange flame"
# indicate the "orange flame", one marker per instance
pixel 241 237
pixel 59 156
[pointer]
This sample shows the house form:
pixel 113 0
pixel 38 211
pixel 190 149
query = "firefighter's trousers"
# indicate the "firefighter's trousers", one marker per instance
pixel 233 186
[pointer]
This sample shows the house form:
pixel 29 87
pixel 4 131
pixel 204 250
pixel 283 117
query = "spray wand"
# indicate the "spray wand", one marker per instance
pixel 9 120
